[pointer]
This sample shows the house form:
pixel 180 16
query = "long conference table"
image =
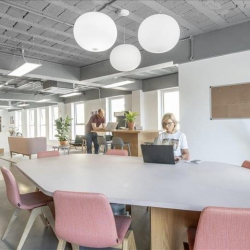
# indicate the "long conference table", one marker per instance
pixel 175 193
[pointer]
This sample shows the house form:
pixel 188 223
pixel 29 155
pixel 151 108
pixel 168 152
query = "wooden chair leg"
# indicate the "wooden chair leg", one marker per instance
pixel 47 212
pixel 129 241
pixel 129 209
pixel 13 218
pixel 75 247
pixel 61 245
pixel 35 212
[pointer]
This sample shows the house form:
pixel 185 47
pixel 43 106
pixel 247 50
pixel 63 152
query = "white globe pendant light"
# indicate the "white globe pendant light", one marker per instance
pixel 95 31
pixel 125 57
pixel 159 33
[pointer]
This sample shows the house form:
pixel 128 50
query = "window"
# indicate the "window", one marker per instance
pixel 54 116
pixel 116 104
pixel 43 122
pixel 170 102
pixel 31 118
pixel 79 119
pixel 19 121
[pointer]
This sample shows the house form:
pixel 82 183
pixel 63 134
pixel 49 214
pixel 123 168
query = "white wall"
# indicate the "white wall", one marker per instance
pixel 151 107
pixel 213 140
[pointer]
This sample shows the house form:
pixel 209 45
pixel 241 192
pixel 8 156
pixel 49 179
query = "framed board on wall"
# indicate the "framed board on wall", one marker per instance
pixel 231 101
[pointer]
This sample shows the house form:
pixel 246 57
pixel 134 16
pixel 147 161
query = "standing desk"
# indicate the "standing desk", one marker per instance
pixel 135 137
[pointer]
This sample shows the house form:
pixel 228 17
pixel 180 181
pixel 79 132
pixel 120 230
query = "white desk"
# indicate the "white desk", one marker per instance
pixel 172 191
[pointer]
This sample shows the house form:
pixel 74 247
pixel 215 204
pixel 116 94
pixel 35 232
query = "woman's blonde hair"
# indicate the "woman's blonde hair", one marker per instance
pixel 170 116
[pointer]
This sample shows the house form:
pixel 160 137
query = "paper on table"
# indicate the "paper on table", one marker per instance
pixel 194 161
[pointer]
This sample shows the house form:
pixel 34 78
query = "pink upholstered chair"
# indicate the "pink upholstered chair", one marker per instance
pixel 35 202
pixel 221 228
pixel 120 152
pixel 47 154
pixel 246 164
pixel 86 219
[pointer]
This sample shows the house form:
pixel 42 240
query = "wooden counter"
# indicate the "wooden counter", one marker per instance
pixel 135 137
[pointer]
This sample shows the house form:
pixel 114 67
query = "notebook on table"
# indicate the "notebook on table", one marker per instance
pixel 162 154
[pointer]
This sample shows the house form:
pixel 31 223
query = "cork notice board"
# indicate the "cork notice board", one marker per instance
pixel 230 101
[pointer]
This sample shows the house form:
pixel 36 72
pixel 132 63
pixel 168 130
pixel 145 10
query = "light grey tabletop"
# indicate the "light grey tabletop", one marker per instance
pixel 127 180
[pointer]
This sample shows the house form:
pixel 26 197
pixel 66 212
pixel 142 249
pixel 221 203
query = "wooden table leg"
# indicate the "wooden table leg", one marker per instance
pixel 169 227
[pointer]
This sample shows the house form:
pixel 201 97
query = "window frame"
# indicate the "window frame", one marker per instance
pixel 168 90
pixel 75 116
pixel 53 122
pixel 30 125
pixel 110 105
pixel 40 119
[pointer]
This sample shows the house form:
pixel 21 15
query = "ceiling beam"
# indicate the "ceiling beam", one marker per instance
pixel 158 7
pixel 44 47
pixel 48 71
pixel 212 15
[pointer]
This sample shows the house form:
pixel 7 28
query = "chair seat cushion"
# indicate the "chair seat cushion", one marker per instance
pixel 122 225
pixel 34 199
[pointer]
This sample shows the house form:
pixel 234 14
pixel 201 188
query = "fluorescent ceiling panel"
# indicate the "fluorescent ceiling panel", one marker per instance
pixel 71 94
pixel 118 84
pixel 24 69
pixel 23 105
pixel 43 100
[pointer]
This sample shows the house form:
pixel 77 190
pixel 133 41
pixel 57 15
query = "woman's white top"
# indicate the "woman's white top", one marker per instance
pixel 178 140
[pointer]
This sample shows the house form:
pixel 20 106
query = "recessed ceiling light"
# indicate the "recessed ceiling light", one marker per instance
pixel 24 69
pixel 118 84
pixel 71 94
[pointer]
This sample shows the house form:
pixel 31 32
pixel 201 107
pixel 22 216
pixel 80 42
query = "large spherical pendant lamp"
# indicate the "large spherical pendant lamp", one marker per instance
pixel 95 31
pixel 125 57
pixel 159 33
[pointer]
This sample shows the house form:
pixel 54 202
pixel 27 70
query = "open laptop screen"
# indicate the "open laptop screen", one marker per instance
pixel 163 154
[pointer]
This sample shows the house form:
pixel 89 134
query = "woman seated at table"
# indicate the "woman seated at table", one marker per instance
pixel 173 137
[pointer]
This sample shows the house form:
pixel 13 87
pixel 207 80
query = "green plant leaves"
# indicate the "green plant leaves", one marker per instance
pixel 130 116
pixel 62 128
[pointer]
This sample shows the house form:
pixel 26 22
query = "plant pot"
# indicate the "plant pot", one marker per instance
pixel 131 125
pixel 63 143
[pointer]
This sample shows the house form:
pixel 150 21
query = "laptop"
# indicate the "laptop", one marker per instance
pixel 163 154
pixel 111 126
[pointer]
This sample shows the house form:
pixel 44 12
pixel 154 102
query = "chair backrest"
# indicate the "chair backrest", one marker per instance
pixel 11 188
pixel 246 164
pixel 120 152
pixel 46 154
pixel 85 219
pixel 117 141
pixel 79 138
pixel 223 228
pixel 101 140
pixel 155 141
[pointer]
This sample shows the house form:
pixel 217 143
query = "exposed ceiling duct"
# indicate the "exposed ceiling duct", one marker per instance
pixel 57 87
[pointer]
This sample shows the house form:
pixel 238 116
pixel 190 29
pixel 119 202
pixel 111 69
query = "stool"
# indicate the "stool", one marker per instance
pixel 117 141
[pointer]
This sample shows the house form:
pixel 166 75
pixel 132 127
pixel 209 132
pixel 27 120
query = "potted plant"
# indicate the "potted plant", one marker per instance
pixel 62 128
pixel 130 119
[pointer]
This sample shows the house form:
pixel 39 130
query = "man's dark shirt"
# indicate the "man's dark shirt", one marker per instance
pixel 94 119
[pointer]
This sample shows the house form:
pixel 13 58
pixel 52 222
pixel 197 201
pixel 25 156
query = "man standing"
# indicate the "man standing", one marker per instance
pixel 96 123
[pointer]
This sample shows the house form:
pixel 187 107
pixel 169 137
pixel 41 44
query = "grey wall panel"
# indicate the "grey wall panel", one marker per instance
pixel 161 82
pixel 180 54
pixel 223 41
pixel 94 94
